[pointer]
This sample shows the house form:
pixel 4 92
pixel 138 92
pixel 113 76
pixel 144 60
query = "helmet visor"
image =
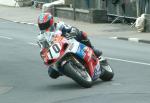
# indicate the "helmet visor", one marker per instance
pixel 44 26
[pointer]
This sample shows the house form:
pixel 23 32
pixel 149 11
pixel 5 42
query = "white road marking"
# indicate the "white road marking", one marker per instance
pixel 30 43
pixel 5 37
pixel 30 23
pixel 113 37
pixel 134 39
pixel 135 62
pixel 5 89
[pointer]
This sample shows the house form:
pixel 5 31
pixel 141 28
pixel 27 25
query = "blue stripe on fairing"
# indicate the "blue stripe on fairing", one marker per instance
pixel 80 52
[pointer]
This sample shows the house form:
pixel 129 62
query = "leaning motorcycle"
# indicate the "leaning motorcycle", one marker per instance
pixel 75 60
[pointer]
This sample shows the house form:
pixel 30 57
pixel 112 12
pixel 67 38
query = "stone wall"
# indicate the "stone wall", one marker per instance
pixel 8 2
pixel 22 3
pixel 92 15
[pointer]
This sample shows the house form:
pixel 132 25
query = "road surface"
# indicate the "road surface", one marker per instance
pixel 24 78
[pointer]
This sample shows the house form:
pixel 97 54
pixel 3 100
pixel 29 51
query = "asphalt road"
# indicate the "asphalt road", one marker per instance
pixel 24 78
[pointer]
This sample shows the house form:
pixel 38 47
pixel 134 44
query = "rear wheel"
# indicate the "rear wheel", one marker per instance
pixel 78 74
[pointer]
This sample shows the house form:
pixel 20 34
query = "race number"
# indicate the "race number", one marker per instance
pixel 55 50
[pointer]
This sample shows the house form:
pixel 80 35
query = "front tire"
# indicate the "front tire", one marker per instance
pixel 81 76
pixel 107 72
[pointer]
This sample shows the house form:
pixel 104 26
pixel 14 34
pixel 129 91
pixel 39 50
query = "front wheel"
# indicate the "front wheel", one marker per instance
pixel 80 75
pixel 107 72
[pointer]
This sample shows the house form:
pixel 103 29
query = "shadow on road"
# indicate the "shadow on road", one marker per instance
pixel 68 85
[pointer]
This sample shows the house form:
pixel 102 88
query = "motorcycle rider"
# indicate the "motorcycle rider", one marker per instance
pixel 46 23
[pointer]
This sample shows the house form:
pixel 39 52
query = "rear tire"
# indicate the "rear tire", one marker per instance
pixel 81 76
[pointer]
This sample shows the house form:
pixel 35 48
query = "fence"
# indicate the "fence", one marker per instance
pixel 128 8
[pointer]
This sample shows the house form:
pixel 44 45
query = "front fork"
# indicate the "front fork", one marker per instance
pixel 75 61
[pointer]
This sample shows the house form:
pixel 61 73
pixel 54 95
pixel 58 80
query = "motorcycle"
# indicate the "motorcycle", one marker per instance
pixel 75 60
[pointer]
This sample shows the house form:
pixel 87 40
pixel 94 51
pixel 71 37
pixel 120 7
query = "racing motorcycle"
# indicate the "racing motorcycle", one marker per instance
pixel 75 60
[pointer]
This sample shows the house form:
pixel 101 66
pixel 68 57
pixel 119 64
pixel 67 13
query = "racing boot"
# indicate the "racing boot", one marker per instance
pixel 82 37
pixel 97 52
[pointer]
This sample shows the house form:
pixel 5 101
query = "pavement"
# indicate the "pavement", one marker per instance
pixel 29 15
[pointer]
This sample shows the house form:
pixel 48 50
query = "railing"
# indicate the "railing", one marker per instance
pixel 130 9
